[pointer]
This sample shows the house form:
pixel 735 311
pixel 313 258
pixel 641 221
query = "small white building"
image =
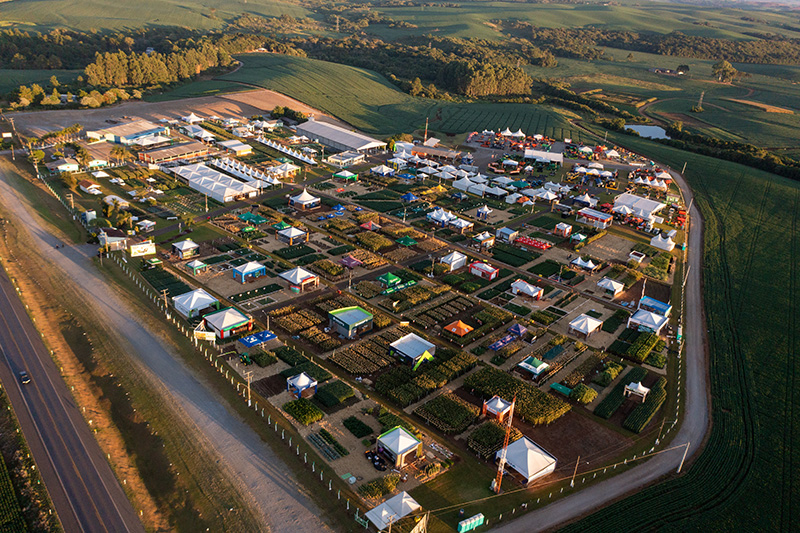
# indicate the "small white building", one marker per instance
pixel 647 321
pixel 637 390
pixel 412 348
pixel 399 445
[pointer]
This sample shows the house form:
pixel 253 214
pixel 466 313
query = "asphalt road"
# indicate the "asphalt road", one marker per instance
pixel 250 464
pixel 82 486
pixel 695 423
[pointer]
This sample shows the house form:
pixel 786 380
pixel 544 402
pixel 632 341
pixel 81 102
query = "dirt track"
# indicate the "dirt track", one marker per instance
pixel 252 464
pixel 244 104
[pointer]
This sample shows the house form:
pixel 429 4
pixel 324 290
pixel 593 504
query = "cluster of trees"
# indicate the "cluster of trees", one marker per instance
pixel 280 112
pixel 35 95
pixel 588 43
pixel 135 69
pixel 561 94
pixel 69 49
pixel 469 67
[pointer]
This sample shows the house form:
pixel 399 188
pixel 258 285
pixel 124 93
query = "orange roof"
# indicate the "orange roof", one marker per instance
pixel 458 328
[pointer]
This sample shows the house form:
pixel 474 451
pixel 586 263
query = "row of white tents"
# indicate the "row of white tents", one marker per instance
pixel 300 156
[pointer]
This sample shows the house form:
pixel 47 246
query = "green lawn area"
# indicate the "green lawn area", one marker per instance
pixel 199 88
pixel 12 79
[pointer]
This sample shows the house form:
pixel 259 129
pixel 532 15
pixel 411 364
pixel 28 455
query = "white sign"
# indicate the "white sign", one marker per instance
pixel 205 335
pixel 6 135
pixel 142 248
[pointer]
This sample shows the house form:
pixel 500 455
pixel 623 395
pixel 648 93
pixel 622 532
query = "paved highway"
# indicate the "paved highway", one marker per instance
pixel 85 493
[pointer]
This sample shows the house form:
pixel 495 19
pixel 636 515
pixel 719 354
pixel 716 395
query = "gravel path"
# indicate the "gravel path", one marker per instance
pixel 278 498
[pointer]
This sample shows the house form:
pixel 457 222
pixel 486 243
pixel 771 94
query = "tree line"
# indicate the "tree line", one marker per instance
pixel 588 43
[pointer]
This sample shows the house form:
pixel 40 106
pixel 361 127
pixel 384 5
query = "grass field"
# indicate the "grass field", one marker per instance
pixel 12 79
pixel 752 302
pixel 198 88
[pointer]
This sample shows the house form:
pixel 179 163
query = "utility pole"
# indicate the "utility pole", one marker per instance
pixel 685 451
pixel 504 453
pixel 206 197
pixel 249 377
pixel 684 167
pixel 426 131
pixel 164 294
pixel 575 472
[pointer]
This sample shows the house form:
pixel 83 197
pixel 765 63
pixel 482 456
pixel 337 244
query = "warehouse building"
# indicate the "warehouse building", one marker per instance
pixel 339 138
pixel 128 133
pixel 349 322
pixel 189 150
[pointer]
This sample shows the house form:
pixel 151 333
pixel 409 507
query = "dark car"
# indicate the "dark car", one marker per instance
pixel 24 378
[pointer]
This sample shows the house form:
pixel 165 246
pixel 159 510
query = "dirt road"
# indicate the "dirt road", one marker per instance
pixel 696 417
pixel 242 104
pixel 252 464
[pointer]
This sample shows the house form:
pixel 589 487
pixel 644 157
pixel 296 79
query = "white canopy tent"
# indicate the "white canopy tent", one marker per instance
pixel 529 459
pixel 585 325
pixel 392 510
pixel 610 285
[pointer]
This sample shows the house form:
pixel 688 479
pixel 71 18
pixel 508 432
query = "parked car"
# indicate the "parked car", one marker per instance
pixel 24 378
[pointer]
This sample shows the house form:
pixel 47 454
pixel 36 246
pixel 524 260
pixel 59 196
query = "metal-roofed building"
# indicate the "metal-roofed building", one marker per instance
pixel 128 132
pixel 339 138
pixel 351 321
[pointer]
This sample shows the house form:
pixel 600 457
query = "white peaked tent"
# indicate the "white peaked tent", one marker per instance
pixel 612 154
pixel 448 168
pixel 304 198
pixel 445 175
pixel 479 178
pixel 547 196
pixel 454 260
pixel 503 180
pixel 580 170
pixel 662 242
pixel 529 459
pixel 297 275
pixel 647 320
pixel 478 188
pixel 588 265
pixel 461 173
pixel 586 150
pixel 512 198
pixel 586 199
pixel 598 166
pixel 300 382
pixel 614 287
pixel 190 302
pixel 585 325
pixel 192 119
pixel 506 133
pixel 664 175
pixel 484 211
pixel 463 184
pixel 518 133
pixel 523 287
pixel 382 170
pixel 428 170
pixel 461 224
pixel 606 174
pixel 392 510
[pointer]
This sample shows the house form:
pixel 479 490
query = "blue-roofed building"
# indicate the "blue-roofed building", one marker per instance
pixel 655 306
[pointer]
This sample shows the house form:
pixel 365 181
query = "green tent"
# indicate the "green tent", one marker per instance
pixel 405 240
pixel 389 279
pixel 281 225
pixel 252 218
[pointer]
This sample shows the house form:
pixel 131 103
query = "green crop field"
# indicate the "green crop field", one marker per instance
pixel 12 79
pixel 752 247
pixel 199 88
pixel 360 97
pixel 369 102
pixel 111 15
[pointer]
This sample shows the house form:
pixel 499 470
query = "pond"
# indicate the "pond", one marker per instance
pixel 653 132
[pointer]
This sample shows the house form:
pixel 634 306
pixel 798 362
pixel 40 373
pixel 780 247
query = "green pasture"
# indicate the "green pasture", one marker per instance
pixel 752 303
pixel 111 15
pixel 12 79
pixel 471 19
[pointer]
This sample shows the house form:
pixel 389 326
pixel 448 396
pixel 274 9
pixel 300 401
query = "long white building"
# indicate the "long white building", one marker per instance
pixel 216 185
pixel 339 138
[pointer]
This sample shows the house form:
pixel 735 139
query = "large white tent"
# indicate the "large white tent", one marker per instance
pixel 529 459
pixel 662 242
pixel 454 260
pixel 641 207
pixel 585 325
pixel 392 510
pixel 523 287
pixel 216 185
pixel 190 302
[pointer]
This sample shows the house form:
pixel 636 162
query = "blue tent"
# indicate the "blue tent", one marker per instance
pixel 257 339
pixel 460 196
pixel 338 207
pixel 518 330
pixel 409 197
